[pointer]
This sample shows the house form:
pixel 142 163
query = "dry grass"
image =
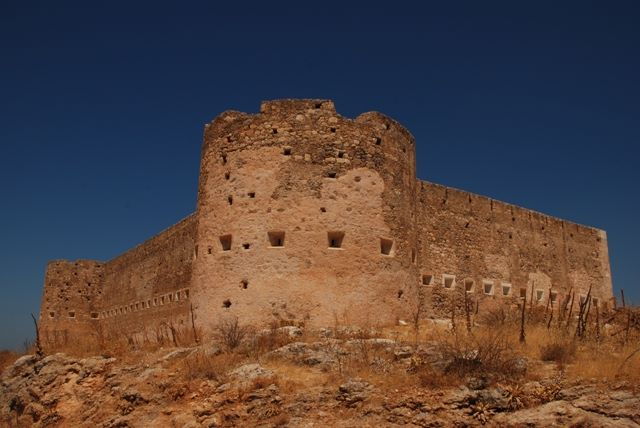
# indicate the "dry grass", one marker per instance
pixel 200 365
pixel 490 350
pixel 7 358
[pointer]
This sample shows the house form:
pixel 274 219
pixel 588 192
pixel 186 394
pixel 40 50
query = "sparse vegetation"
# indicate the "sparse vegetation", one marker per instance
pixel 424 357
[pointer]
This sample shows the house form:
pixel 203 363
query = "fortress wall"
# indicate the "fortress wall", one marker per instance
pixel 150 283
pixel 70 301
pixel 295 173
pixel 477 238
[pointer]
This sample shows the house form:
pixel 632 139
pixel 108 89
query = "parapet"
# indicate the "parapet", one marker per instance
pixel 293 105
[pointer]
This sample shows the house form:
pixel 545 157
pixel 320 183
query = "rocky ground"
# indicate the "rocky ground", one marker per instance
pixel 299 384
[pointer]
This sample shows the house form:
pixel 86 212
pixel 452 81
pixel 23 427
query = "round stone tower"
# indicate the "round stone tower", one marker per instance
pixel 306 216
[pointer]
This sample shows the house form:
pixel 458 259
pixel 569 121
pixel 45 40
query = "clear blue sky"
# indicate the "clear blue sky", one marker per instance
pixel 102 106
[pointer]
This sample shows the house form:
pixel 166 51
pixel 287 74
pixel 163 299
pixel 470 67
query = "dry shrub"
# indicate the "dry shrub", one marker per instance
pixel 200 365
pixel 481 355
pixel 7 358
pixel 230 333
pixel 561 352
pixel 266 341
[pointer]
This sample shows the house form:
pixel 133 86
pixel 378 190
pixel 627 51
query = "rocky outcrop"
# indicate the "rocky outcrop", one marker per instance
pixel 162 389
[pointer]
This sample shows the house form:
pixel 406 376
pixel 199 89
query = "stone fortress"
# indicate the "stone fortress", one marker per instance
pixel 305 216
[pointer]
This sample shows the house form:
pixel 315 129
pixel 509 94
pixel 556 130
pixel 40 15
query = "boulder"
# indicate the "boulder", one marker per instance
pixel 249 372
pixel 353 392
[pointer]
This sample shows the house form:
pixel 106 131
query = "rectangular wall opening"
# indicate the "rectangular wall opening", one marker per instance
pixel 553 296
pixel 72 314
pixel 488 287
pixel 335 239
pixel 386 246
pixel 286 151
pixel 539 295
pixel 469 285
pixel 251 194
pixel 506 290
pixel 94 315
pixel 448 281
pixel 276 239
pixel 523 293
pixel 427 279
pixel 225 242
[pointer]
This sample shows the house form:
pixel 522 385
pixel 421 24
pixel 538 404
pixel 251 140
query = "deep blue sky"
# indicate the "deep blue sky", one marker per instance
pixel 102 110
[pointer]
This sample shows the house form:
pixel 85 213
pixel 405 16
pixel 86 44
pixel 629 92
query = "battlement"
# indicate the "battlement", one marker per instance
pixel 296 105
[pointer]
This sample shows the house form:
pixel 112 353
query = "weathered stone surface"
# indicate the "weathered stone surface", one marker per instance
pixel 308 217
pixel 353 392
pixel 249 372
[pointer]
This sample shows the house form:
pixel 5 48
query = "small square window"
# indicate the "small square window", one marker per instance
pixel 72 314
pixel 427 279
pixel 469 285
pixel 225 242
pixel 286 151
pixel 52 314
pixel 335 239
pixel 276 239
pixel 539 295
pixel 251 194
pixel 386 246
pixel 487 287
pixel 94 315
pixel 506 290
pixel 448 281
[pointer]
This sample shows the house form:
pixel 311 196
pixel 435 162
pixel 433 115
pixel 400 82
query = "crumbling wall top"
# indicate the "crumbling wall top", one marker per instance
pixel 293 105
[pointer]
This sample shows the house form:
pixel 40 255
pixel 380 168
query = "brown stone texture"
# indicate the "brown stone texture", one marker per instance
pixel 307 216
pixel 511 250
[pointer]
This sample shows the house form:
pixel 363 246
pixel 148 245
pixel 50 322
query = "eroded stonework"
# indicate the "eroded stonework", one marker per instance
pixel 304 216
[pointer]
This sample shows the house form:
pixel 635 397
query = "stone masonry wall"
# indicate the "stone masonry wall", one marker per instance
pixel 276 188
pixel 499 251
pixel 136 293
pixel 150 284
pixel 70 301
pixel 305 216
